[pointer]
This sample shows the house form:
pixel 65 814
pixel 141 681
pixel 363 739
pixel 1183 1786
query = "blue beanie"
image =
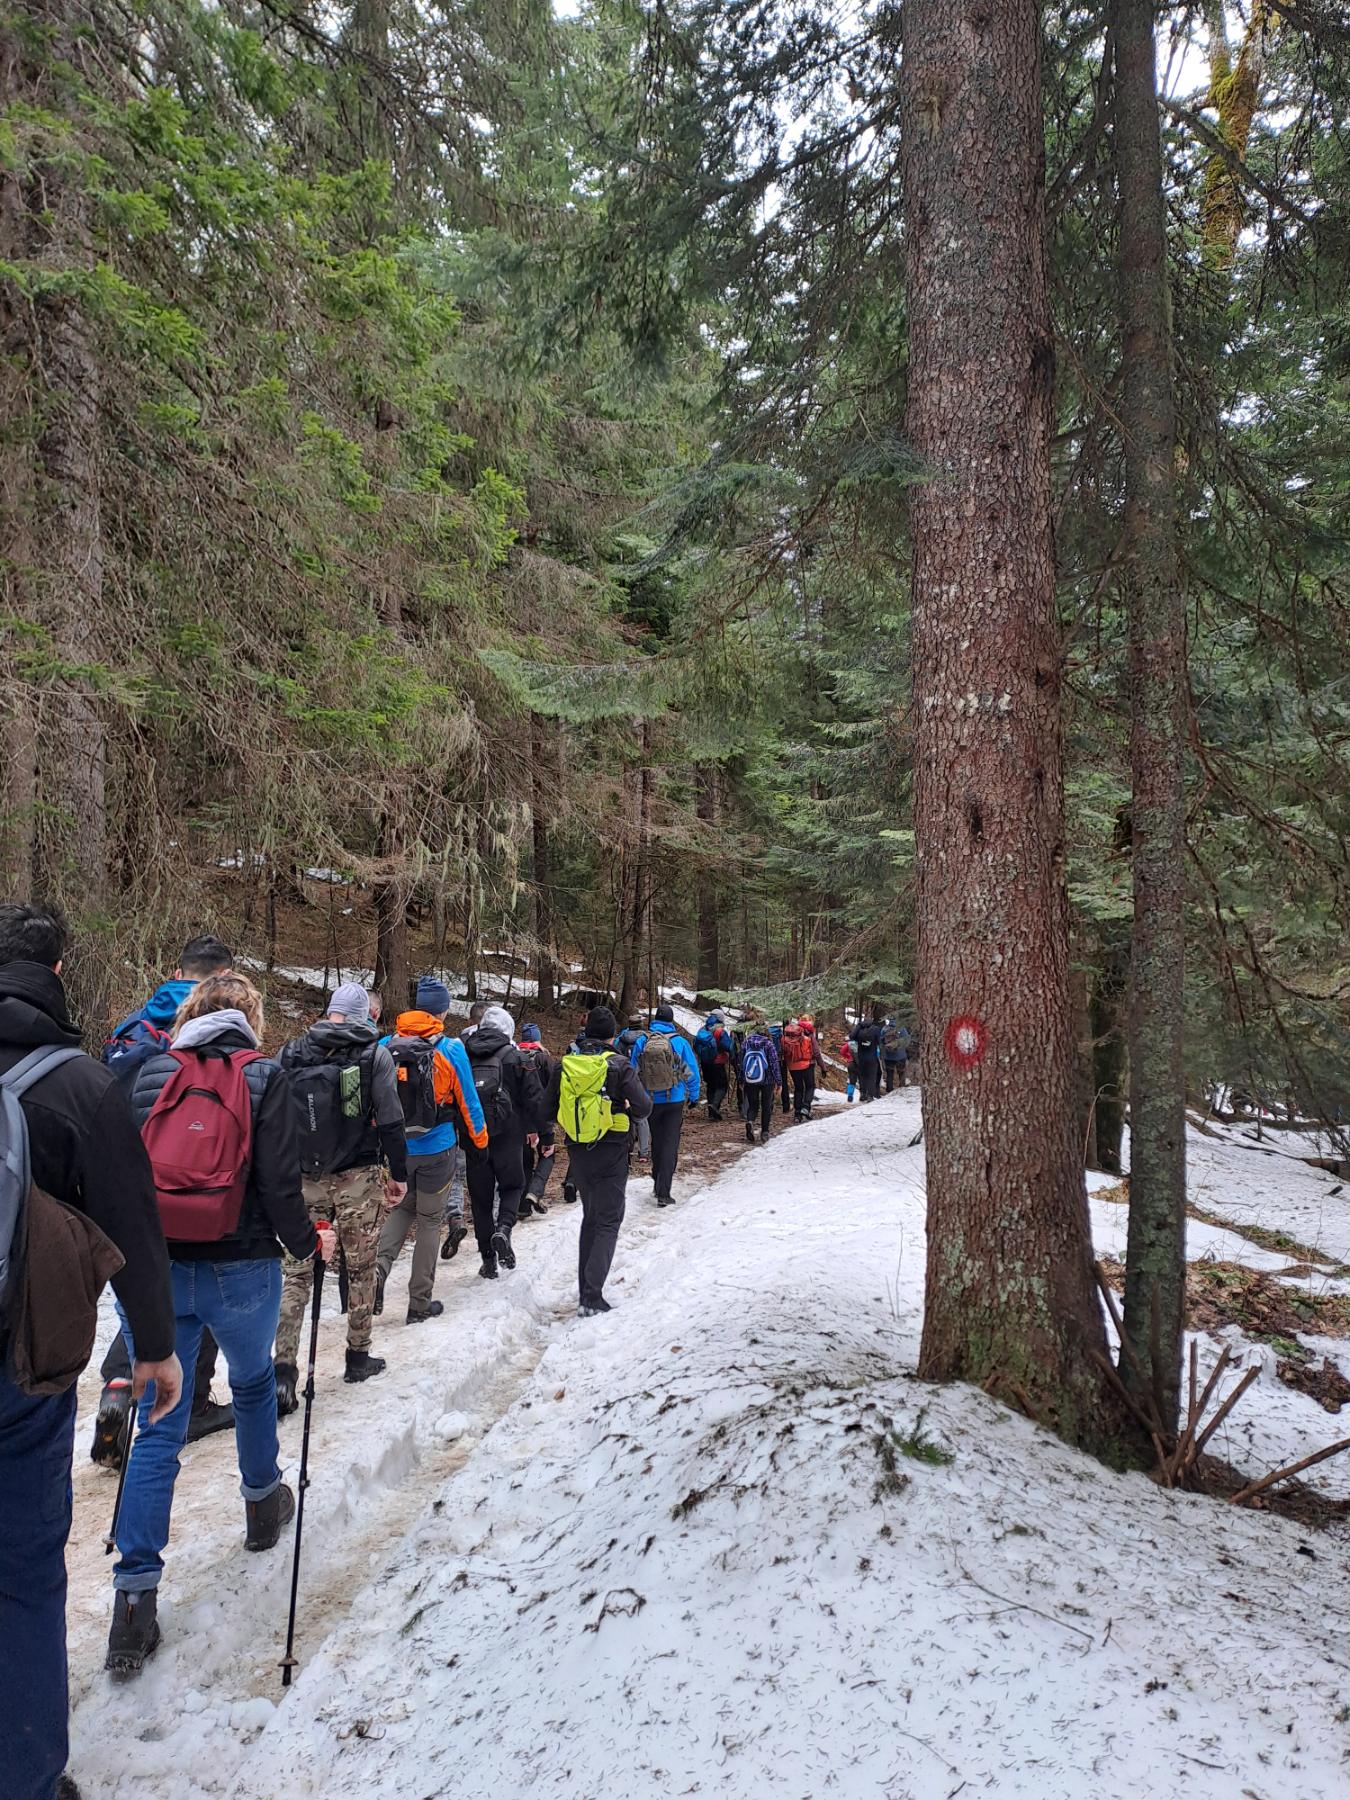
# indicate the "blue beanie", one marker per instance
pixel 529 1034
pixel 432 996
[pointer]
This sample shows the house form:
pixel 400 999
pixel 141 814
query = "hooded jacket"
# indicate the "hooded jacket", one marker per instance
pixel 273 1212
pixel 86 1151
pixel 690 1090
pixel 459 1082
pixel 626 1093
pixel 344 1041
pixel 161 1009
pixel 520 1075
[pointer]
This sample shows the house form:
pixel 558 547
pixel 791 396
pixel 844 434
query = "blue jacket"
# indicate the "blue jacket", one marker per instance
pixel 687 1091
pixel 445 1136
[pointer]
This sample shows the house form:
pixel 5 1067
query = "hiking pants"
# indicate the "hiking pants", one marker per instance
pixel 895 1074
pixel 803 1090
pixel 642 1129
pixel 353 1203
pixel 240 1301
pixel 496 1184
pixel 759 1099
pixel 869 1077
pixel 37 1439
pixel 787 1084
pixel 601 1174
pixel 539 1161
pixel 423 1206
pixel 667 1121
pixel 116 1366
pixel 716 1089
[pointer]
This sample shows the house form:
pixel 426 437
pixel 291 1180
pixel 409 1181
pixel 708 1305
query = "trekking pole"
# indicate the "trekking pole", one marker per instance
pixel 110 1542
pixel 289 1663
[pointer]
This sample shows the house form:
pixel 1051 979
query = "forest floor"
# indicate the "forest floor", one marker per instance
pixel 724 1541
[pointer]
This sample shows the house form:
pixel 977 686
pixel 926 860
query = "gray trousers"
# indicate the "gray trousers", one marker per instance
pixel 423 1206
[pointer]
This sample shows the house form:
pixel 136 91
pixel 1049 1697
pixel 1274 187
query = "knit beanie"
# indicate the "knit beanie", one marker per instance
pixel 432 996
pixel 601 1024
pixel 529 1034
pixel 666 1014
pixel 351 1001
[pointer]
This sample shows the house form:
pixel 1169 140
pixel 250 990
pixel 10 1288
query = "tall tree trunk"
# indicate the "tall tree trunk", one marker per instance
pixel 1234 89
pixel 638 923
pixel 1155 1258
pixel 1011 1297
pixel 545 965
pixel 392 968
pixel 709 972
pixel 1110 1057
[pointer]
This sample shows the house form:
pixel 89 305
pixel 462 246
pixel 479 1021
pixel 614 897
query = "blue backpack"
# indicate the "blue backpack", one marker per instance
pixel 132 1043
pixel 755 1066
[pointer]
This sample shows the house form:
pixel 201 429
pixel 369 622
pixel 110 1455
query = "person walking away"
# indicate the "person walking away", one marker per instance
pixel 866 1040
pixel 641 1137
pixel 349 1127
pixel 541 1145
pixel 895 1054
pixel 442 1119
pixel 668 1070
pixel 760 1077
pixel 512 1100
pixel 776 1033
pixel 845 1054
pixel 802 1052
pixel 84 1151
pixel 141 1034
pixel 476 1012
pixel 217 1120
pixel 714 1048
pixel 595 1095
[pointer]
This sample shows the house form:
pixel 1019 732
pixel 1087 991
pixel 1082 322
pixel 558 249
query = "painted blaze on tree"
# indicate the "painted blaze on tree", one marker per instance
pixel 1011 1300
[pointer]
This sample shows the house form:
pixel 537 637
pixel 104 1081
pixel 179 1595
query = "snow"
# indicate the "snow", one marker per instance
pixel 655 1554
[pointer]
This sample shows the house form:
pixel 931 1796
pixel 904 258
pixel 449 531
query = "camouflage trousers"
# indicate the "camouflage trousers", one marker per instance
pixel 353 1203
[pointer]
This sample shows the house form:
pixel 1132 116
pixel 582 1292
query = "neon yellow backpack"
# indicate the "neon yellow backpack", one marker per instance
pixel 585 1111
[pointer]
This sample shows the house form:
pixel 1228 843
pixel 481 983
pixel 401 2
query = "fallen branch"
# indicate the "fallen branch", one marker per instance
pixel 1253 1488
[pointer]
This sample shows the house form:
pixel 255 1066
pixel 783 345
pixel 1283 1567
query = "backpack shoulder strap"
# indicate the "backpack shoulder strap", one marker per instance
pixel 35 1065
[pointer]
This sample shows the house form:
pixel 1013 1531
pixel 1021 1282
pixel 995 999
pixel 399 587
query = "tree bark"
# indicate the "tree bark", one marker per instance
pixel 1110 1058
pixel 638 923
pixel 392 968
pixel 708 975
pixel 1155 1257
pixel 1011 1297
pixel 545 964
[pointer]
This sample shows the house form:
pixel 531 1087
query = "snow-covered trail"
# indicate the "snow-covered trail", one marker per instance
pixel 688 1549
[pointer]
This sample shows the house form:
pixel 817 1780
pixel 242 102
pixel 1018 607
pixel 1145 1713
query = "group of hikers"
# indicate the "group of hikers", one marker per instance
pixel 213 1182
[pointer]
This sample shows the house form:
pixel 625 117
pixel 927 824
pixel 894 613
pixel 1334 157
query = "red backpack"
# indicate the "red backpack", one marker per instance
pixel 199 1135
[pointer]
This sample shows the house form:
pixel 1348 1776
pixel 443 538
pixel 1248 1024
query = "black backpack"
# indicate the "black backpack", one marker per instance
pixel 331 1094
pixel 489 1079
pixel 415 1071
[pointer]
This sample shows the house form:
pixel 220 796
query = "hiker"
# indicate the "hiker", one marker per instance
pixel 512 1099
pixel 844 1051
pixel 801 1052
pixel 441 1117
pixel 217 1119
pixel 349 1128
pixel 866 1038
pixel 541 1145
pixel 776 1033
pixel 144 1033
pixel 594 1095
pixel 759 1076
pixel 895 1054
pixel 84 1151
pixel 715 1050
pixel 476 1012
pixel 632 1033
pixel 668 1070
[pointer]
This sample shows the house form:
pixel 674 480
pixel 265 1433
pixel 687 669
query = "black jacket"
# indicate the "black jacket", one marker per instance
pixel 520 1078
pixel 86 1150
pixel 274 1206
pixel 327 1041
pixel 626 1093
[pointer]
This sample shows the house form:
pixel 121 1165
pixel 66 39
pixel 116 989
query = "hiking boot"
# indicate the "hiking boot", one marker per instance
pixel 764 1135
pixel 377 1305
pixel 569 1193
pixel 66 1788
pixel 216 1415
pixel 111 1425
pixel 714 1118
pixel 525 1210
pixel 488 1268
pixel 265 1520
pixel 539 1204
pixel 749 1132
pixel 501 1244
pixel 454 1237
pixel 134 1635
pixel 361 1365
pixel 288 1399
pixel 664 1200
pixel 432 1310
pixel 590 1309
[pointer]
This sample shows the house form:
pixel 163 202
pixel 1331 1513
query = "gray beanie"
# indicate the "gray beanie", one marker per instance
pixel 496 1018
pixel 351 1001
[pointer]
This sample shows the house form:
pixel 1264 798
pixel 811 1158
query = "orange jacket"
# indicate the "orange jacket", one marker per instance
pixel 454 1084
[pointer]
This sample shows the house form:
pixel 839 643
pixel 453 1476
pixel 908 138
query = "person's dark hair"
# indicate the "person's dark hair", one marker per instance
pixel 205 955
pixel 31 934
pixel 476 1012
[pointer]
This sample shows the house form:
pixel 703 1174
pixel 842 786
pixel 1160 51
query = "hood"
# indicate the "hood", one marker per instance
pixel 211 1027
pixel 496 1018
pixel 33 1006
pixel 597 1047
pixel 486 1041
pixel 161 1009
pixel 330 1036
pixel 665 1027
pixel 419 1024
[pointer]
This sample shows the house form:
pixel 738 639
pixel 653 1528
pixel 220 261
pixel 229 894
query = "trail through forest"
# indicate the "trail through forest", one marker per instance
pixel 725 1542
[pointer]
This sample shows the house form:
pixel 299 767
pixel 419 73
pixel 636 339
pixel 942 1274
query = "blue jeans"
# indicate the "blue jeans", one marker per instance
pixel 240 1301
pixel 37 1439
